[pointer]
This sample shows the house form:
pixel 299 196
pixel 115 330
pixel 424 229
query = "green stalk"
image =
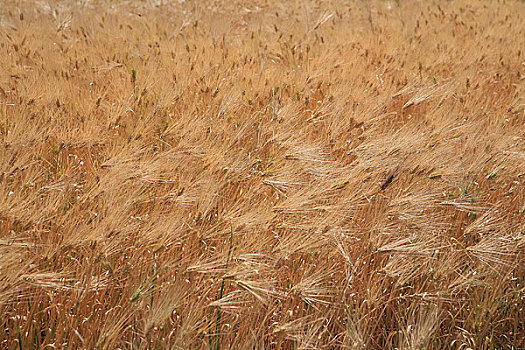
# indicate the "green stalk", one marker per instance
pixel 219 314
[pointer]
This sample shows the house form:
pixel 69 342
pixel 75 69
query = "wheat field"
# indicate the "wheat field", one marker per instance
pixel 262 174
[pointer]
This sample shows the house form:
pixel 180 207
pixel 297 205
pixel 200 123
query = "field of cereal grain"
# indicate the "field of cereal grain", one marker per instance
pixel 262 174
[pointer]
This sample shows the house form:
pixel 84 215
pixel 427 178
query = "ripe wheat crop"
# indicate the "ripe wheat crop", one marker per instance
pixel 262 174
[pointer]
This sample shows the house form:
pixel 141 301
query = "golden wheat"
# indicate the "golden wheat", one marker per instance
pixel 262 175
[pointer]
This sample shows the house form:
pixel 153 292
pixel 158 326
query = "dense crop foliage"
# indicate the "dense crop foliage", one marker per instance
pixel 262 174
